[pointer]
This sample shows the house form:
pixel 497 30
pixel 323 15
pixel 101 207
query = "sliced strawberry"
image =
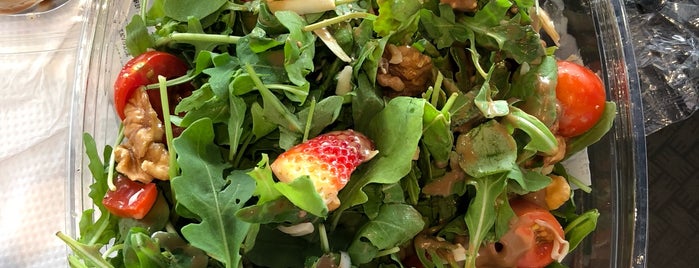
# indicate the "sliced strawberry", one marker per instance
pixel 328 159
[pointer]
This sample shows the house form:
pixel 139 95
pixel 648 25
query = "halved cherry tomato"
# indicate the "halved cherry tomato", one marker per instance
pixel 131 199
pixel 534 226
pixel 581 96
pixel 144 70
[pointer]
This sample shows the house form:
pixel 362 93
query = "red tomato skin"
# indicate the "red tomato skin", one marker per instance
pixel 131 199
pixel 144 70
pixel 540 255
pixel 581 97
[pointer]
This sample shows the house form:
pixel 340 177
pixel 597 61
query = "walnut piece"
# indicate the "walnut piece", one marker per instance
pixel 404 70
pixel 143 156
pixel 461 5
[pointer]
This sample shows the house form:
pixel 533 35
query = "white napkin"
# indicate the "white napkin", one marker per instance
pixel 37 59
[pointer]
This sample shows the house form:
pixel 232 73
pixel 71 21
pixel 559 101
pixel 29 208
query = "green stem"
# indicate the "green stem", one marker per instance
pixel 309 119
pixel 144 11
pixel 172 170
pixel 288 88
pixel 437 89
pixel 277 105
pixel 112 249
pixel 82 251
pixel 324 243
pixel 338 19
pixel 387 252
pixel 242 148
pixel 197 37
pixel 173 82
pixel 450 102
pixel 110 169
pixel 575 181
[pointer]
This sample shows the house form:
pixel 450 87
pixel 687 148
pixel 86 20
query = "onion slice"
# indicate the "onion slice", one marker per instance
pixel 332 44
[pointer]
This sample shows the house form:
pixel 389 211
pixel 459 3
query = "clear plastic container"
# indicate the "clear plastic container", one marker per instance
pixel 618 161
pixel 39 49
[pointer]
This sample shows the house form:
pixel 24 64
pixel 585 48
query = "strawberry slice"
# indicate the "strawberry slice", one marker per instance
pixel 328 160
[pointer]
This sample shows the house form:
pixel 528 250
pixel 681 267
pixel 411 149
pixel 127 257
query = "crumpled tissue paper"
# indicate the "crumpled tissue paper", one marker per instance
pixel 37 59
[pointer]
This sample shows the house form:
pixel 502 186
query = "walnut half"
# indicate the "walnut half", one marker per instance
pixel 404 70
pixel 143 156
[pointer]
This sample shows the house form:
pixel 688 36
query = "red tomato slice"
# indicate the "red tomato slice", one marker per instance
pixel 535 225
pixel 581 96
pixel 131 199
pixel 144 70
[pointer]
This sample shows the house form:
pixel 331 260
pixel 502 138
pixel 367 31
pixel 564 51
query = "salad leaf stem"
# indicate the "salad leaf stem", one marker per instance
pixel 98 232
pixel 172 170
pixel 197 37
pixel 581 185
pixel 242 147
pixel 112 249
pixel 338 19
pixel 450 102
pixel 324 243
pixel 110 169
pixel 86 252
pixel 309 119
pixel 387 252
pixel 175 81
pixel 293 124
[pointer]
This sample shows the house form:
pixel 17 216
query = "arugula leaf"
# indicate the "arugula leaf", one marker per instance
pixel 486 150
pixel 138 40
pixel 237 112
pixel 528 181
pixel 484 99
pixel 595 133
pixel 398 19
pixel 580 227
pixel 396 131
pixel 280 210
pixel 542 138
pixel 302 193
pixel 394 225
pixel 535 84
pixel 221 74
pixel 299 48
pixel 480 216
pixel 202 189
pixel 443 29
pixel 141 251
pixel 106 226
pixel 182 9
pixel 325 113
pixel 437 136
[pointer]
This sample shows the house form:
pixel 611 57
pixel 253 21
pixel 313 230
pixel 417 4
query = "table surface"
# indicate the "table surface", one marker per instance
pixel 673 168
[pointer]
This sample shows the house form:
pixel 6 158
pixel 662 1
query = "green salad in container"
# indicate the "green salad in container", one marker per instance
pixel 348 133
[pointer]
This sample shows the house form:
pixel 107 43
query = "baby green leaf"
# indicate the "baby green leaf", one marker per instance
pixel 480 216
pixel 302 193
pixel 202 190
pixel 580 227
pixel 396 131
pixel 394 225
pixel 542 138
pixel 487 149
pixel 181 9
pixel 595 133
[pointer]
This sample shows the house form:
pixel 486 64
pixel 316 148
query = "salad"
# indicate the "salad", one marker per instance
pixel 394 133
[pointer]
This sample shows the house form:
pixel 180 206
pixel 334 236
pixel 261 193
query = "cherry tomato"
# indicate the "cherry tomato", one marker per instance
pixel 534 226
pixel 131 199
pixel 144 70
pixel 581 97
